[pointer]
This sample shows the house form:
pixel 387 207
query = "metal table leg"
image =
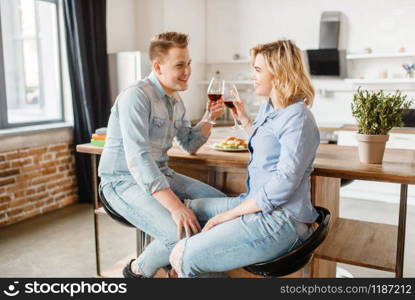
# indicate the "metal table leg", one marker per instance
pixel 400 249
pixel 95 206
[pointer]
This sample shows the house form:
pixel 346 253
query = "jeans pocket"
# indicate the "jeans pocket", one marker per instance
pixel 121 186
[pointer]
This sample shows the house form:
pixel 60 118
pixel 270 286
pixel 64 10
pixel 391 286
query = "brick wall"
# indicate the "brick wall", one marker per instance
pixel 36 180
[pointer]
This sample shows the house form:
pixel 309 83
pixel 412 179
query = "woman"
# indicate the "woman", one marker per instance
pixel 275 213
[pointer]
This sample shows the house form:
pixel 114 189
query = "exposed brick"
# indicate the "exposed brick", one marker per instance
pixel 37 159
pixel 8 173
pixel 29 207
pixel 36 182
pixel 15 155
pixel 5 198
pixel 37 197
pixel 40 180
pixel 4 165
pixel 49 164
pixel 49 171
pixel 32 213
pixel 63 168
pixel 29 192
pixel 59 197
pixel 28 176
pixel 47 156
pixel 15 211
pixel 17 203
pixel 41 188
pixel 62 154
pixel 31 168
pixel 20 163
pixel 7 181
pixel 36 151
pixel 58 148
pixel 19 194
pixel 65 160
pixel 16 187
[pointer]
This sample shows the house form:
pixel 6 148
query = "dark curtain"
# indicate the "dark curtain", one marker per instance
pixel 85 26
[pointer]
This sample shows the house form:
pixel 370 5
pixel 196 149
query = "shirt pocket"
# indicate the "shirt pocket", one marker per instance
pixel 158 129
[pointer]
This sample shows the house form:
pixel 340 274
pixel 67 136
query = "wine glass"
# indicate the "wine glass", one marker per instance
pixel 215 91
pixel 231 95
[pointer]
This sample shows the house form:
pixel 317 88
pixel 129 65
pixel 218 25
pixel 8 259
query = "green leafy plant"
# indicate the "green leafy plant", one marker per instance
pixel 376 112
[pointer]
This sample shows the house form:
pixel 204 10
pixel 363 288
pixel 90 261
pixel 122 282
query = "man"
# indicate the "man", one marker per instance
pixel 135 177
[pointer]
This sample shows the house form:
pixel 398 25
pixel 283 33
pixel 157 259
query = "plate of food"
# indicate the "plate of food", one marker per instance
pixel 231 144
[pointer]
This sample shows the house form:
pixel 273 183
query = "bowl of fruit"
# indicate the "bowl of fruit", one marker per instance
pixel 231 144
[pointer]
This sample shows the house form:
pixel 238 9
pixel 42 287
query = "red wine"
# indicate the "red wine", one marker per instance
pixel 229 104
pixel 214 97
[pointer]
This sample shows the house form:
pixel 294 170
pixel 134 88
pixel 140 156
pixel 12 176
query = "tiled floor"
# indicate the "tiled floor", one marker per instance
pixel 61 243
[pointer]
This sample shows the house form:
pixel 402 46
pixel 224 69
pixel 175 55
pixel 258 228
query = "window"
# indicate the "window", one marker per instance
pixel 30 63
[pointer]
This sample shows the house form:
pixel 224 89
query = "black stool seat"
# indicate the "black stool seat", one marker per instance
pixel 112 213
pixel 298 257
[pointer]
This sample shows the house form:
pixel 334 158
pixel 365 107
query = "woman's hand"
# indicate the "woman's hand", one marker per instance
pixel 185 217
pixel 241 113
pixel 219 219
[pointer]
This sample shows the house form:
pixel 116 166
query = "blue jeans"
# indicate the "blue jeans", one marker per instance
pixel 251 238
pixel 143 211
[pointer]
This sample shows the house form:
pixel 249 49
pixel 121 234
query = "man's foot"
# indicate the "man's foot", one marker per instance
pixel 128 272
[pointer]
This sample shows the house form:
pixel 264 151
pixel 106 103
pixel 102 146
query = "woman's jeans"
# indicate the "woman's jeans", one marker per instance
pixel 249 239
pixel 146 213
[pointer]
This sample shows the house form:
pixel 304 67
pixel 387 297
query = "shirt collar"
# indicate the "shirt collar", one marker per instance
pixel 159 89
pixel 272 113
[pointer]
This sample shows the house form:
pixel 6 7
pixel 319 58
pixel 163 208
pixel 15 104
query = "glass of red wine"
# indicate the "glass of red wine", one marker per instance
pixel 231 95
pixel 215 91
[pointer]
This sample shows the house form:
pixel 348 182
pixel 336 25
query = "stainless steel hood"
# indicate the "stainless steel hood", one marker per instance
pixel 328 60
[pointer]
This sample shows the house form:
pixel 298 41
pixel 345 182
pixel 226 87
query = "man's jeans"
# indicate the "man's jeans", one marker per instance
pixel 146 213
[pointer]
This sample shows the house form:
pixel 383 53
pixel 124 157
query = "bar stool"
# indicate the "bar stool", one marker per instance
pixel 298 257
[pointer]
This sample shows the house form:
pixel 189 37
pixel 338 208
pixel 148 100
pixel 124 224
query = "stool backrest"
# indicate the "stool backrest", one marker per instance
pixel 298 257
pixel 111 212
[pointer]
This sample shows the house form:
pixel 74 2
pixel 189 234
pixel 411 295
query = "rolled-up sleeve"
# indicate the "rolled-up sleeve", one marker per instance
pixel 134 115
pixel 299 140
pixel 190 138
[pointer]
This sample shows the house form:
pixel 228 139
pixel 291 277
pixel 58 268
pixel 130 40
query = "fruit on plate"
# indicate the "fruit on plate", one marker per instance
pixel 232 143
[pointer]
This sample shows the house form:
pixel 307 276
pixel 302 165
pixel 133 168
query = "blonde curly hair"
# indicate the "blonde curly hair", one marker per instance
pixel 285 62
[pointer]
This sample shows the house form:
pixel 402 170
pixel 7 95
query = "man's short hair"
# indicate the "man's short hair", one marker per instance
pixel 163 42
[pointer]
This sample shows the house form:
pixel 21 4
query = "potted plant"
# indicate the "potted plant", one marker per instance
pixel 376 113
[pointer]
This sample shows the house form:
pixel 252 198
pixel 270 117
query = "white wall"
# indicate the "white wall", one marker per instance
pixel 121 25
pixel 132 23
pixel 234 26
pixel 220 28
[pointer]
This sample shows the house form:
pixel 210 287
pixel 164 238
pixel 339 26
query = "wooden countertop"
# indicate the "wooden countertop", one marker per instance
pixel 331 161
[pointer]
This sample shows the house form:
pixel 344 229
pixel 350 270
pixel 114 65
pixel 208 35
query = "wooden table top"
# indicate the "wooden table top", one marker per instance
pixel 331 161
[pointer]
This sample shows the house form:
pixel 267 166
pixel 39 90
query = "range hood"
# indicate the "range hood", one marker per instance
pixel 328 60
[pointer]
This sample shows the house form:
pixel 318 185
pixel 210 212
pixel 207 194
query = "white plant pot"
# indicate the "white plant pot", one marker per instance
pixel 371 147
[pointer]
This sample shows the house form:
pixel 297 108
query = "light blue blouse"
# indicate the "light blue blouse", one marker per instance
pixel 282 147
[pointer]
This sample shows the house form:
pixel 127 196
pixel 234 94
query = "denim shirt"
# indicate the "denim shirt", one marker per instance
pixel 143 123
pixel 282 148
